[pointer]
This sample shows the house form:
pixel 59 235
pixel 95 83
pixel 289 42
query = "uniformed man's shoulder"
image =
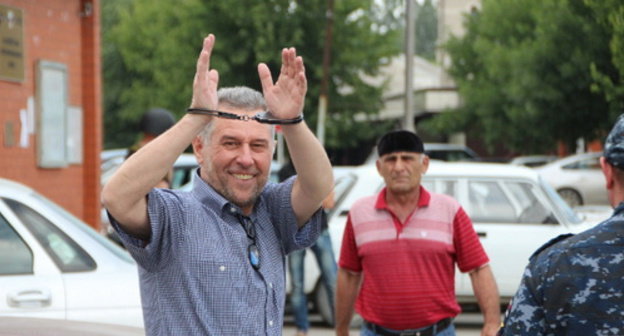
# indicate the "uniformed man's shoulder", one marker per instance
pixel 551 243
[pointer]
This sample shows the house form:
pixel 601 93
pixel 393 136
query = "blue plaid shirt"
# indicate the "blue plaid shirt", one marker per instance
pixel 195 274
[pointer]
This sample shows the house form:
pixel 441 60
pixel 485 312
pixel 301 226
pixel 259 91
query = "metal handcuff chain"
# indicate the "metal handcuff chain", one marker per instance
pixel 264 117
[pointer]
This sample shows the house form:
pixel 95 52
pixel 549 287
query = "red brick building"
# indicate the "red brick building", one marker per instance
pixel 50 100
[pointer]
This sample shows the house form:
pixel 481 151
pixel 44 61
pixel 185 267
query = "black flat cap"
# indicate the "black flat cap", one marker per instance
pixel 399 141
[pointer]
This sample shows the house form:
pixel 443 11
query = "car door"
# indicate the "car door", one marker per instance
pixel 512 219
pixel 30 284
pixel 106 292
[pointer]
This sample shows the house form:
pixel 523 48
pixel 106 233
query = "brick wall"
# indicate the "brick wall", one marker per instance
pixel 55 30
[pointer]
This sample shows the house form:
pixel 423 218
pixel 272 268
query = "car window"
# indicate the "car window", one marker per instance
pixel 68 256
pixel 488 203
pixel 181 176
pixel 533 210
pixel 73 220
pixel 442 186
pixel 16 256
pixel 498 201
pixel 342 186
pixel 589 163
pixel 570 215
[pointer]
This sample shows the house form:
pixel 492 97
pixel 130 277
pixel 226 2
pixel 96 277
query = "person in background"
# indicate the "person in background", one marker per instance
pixel 153 123
pixel 324 253
pixel 212 260
pixel 573 284
pixel 400 250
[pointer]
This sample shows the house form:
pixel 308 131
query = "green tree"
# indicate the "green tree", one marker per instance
pixel 523 70
pixel 117 132
pixel 426 30
pixel 158 43
pixel 610 14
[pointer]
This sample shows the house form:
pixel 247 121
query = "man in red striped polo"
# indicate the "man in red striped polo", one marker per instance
pixel 399 251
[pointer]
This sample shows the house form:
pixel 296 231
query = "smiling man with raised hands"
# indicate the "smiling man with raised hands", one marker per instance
pixel 211 261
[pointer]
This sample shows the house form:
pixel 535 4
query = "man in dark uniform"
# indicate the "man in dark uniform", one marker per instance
pixel 573 285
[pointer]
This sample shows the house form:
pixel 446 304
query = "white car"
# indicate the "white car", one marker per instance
pixel 513 212
pixel 52 265
pixel 577 178
pixel 182 168
pixel 29 326
pixel 532 160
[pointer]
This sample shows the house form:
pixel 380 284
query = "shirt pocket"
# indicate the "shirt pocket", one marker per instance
pixel 219 274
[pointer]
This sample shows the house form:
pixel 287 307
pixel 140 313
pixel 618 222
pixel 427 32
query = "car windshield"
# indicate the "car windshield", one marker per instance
pixel 85 228
pixel 570 215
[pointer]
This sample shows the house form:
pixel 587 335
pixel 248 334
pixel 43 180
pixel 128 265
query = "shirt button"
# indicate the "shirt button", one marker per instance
pixel 270 323
pixel 221 268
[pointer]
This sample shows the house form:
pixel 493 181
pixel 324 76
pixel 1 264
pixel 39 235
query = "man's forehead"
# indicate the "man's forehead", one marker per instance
pixel 239 129
pixel 396 154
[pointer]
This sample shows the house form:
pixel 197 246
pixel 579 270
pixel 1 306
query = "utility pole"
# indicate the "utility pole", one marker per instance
pixel 322 106
pixel 408 121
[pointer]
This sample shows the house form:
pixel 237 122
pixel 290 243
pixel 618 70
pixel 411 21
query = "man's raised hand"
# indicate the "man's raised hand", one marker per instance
pixel 285 98
pixel 206 80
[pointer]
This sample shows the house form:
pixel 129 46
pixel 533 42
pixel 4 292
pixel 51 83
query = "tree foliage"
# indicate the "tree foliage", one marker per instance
pixel 524 72
pixel 610 14
pixel 153 47
pixel 426 30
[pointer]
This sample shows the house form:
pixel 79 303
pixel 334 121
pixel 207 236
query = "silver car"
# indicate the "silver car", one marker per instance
pixel 577 178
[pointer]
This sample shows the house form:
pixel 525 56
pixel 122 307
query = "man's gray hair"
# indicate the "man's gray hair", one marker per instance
pixel 238 97
pixel 241 97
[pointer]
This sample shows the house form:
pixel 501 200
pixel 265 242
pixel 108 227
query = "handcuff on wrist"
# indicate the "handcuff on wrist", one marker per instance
pixel 264 117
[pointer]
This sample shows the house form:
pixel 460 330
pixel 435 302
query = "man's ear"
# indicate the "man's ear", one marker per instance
pixel 607 170
pixel 425 163
pixel 198 145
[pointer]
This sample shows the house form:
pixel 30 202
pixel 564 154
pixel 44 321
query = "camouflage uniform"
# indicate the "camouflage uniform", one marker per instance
pixel 574 285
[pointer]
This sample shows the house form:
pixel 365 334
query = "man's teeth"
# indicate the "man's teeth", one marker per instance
pixel 243 176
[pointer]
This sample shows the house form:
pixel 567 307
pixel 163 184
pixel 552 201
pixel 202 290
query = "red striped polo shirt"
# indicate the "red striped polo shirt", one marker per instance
pixel 409 268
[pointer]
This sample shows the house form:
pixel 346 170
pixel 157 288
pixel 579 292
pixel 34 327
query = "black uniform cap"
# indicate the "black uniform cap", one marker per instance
pixel 156 121
pixel 614 145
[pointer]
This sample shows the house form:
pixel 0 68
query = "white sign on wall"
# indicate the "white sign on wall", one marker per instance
pixel 52 98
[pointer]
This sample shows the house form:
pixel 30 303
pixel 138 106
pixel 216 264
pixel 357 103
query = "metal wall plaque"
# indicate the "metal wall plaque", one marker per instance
pixel 11 43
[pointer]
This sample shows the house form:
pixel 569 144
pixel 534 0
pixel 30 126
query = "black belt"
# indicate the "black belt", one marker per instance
pixel 438 326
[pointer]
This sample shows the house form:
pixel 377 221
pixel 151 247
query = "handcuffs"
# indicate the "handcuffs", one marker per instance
pixel 264 117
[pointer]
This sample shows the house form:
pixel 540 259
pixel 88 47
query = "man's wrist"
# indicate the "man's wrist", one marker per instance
pixel 262 117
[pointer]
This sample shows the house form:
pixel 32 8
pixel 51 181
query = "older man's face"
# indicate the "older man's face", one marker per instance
pixel 402 171
pixel 237 159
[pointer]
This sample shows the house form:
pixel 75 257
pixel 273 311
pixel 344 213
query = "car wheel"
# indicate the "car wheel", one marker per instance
pixel 571 196
pixel 324 309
